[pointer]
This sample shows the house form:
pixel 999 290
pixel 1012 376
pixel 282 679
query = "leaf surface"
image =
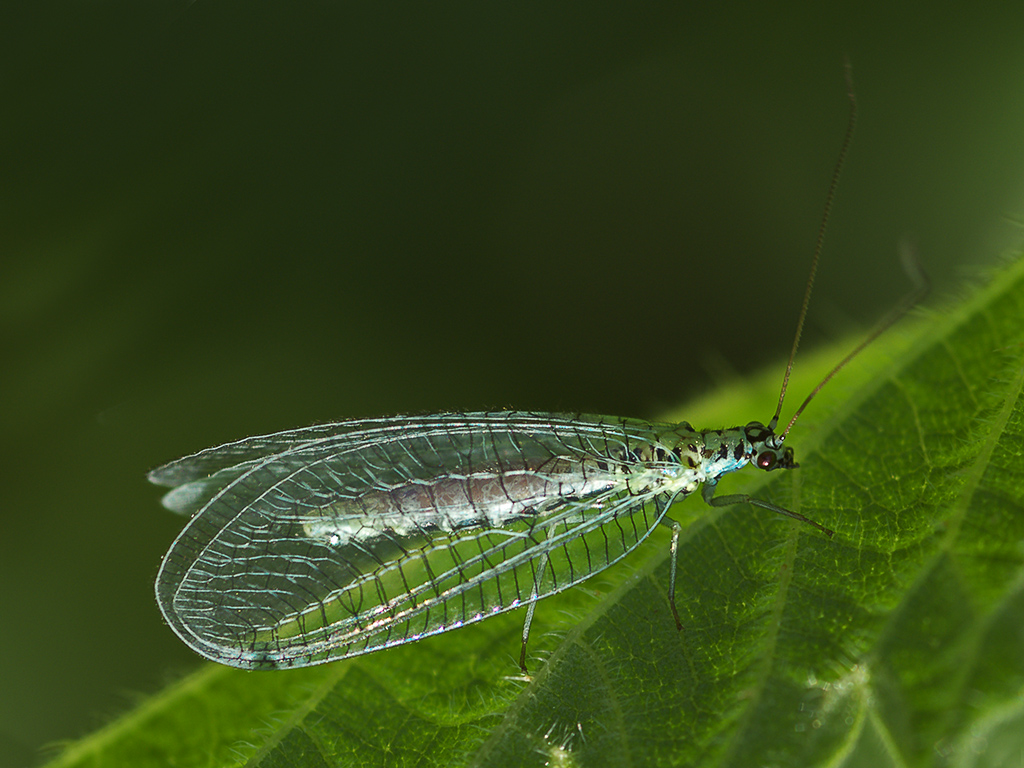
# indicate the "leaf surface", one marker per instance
pixel 899 642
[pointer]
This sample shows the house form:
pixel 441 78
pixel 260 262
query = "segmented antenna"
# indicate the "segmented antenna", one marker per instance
pixel 829 199
pixel 910 264
pixel 914 270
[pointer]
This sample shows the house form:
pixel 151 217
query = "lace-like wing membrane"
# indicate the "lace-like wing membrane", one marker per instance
pixel 314 545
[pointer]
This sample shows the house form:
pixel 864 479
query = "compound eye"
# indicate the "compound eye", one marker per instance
pixel 766 460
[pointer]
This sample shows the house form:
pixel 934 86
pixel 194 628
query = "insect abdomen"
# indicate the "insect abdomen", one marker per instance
pixel 451 503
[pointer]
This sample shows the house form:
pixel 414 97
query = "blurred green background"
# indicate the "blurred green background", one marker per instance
pixel 222 219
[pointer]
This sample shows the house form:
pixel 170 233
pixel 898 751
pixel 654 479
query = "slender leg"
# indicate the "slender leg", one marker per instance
pixel 662 506
pixel 708 492
pixel 674 549
pixel 530 608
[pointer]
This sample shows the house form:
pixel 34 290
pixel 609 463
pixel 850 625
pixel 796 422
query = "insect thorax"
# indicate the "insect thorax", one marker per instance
pixel 713 453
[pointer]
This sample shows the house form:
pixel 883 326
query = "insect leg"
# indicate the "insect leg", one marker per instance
pixel 674 549
pixel 708 492
pixel 533 604
pixel 674 553
pixel 529 620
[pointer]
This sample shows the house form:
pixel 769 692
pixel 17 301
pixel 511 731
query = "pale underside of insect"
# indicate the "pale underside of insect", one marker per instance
pixel 318 544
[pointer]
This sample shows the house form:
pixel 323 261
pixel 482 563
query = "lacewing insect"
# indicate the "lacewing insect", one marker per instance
pixel 318 544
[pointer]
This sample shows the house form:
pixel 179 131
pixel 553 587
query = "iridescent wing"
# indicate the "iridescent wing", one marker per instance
pixel 318 544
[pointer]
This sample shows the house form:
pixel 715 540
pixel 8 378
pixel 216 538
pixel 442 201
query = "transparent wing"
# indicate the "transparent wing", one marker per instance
pixel 319 544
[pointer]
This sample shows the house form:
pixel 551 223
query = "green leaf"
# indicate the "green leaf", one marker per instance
pixel 899 642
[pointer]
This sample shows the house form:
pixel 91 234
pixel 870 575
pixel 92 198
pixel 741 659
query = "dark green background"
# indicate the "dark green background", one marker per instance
pixel 226 219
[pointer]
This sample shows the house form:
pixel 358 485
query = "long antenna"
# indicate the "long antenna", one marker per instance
pixel 923 285
pixel 829 198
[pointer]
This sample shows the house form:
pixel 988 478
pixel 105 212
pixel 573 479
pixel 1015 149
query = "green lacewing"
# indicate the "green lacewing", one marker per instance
pixel 323 543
